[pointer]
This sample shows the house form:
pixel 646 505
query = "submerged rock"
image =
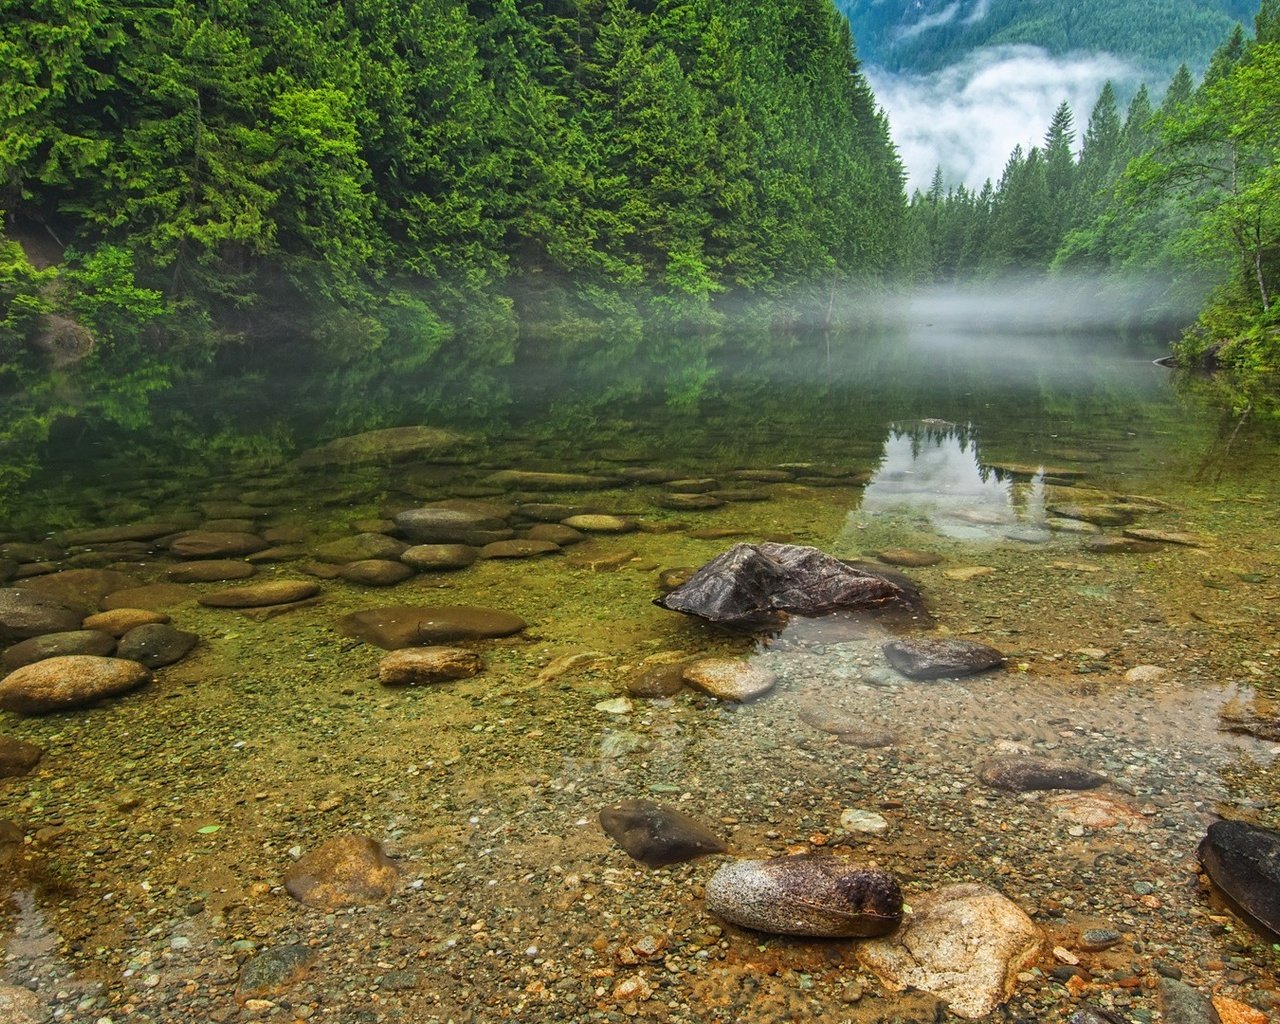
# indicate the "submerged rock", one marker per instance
pixel 215 544
pixel 54 645
pixel 361 547
pixel 17 757
pixel 757 585
pixel 532 480
pixel 656 681
pixel 348 871
pixel 405 625
pixel 375 572
pixel 655 834
pixel 258 595
pixel 1243 861
pixel 439 557
pixel 908 557
pixel 156 644
pixel 57 684
pixel 1020 774
pixel 120 620
pixel 964 943
pixel 935 658
pixel 1181 1004
pixel 434 525
pixel 214 570
pixel 25 613
pixel 414 665
pixel 80 589
pixel 813 895
pixel 274 971
pixel 20 1006
pixel 392 444
pixel 729 678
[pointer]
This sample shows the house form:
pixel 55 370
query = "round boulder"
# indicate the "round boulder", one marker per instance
pixel 73 681
pixel 439 557
pixel 156 644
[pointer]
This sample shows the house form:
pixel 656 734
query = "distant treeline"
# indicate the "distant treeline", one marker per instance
pixel 1186 196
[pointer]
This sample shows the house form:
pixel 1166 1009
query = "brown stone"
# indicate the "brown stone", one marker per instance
pixel 53 645
pixel 17 757
pixel 439 557
pixel 56 684
pixel 119 621
pixel 729 678
pixel 400 626
pixel 348 871
pixel 376 572
pixel 519 549
pixel 156 597
pixel 258 595
pixel 80 589
pixel 214 570
pixel 413 665
pixel 215 544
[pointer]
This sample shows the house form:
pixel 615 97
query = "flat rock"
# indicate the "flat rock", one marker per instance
pixel 729 678
pixel 1099 515
pixel 26 613
pixel 687 502
pixel 938 657
pixel 1181 1004
pixel 361 547
pixel 1165 537
pixel 397 626
pixel 1243 861
pixel 656 681
pixel 21 1006
pixel 80 589
pixel 599 523
pixel 151 597
pixel 1104 545
pixel 655 834
pixel 1021 774
pixel 75 680
pixel 274 971
pixel 53 645
pixel 116 534
pixel 433 525
pixel 214 544
pixel 258 595
pixel 519 549
pixel 550 511
pixel 908 557
pixel 348 871
pixel 156 644
pixel 530 480
pixel 817 896
pixel 215 570
pixel 965 944
pixel 376 572
pixel 557 533
pixel 414 665
pixel 392 444
pixel 439 557
pixel 17 757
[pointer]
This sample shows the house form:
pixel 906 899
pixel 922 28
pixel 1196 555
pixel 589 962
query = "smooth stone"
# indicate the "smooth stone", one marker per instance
pixel 812 895
pixel 156 644
pixel 115 534
pixel 1243 861
pixel 729 678
pixel 215 570
pixel 1146 674
pixel 376 572
pixel 391 444
pixel 550 511
pixel 1103 545
pixel 615 706
pixel 209 544
pixel 503 510
pixel 1181 1004
pixel 361 547
pixel 763 476
pixel 289 534
pixel 650 474
pixel 936 657
pixel 513 479
pixel 669 579
pixel 965 573
pixel 413 665
pixel 56 684
pixel 55 645
pixel 591 557
pixel 82 590
pixel 274 971
pixel 1232 1011
pixel 1166 537
pixel 348 871
pixel 687 502
pixel 599 523
pixel 25 613
pixel 1020 774
pixel 738 495
pixel 657 681
pixel 215 510
pixel 656 835
pixel 1094 940
pixel 153 597
pixel 556 533
pixel 854 819
pixel 519 549
pixel 1071 526
pixel 17 757
pixel 19 1005
pixel 693 485
pixel 397 626
pixel 280 553
pixel 258 595
pixel 965 943
pixel 908 557
pixel 1099 515
pixel 229 525
pixel 445 525
pixel 439 557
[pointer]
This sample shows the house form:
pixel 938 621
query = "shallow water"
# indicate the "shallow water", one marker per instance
pixel 158 826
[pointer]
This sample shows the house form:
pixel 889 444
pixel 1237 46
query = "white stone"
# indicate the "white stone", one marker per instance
pixel 854 819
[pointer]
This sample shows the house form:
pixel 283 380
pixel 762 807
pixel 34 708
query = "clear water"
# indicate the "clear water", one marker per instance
pixel 127 903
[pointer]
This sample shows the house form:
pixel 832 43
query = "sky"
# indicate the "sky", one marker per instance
pixel 968 117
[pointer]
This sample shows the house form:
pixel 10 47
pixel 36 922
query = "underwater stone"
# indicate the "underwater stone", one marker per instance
pixel 24 613
pixel 156 644
pixel 80 589
pixel 1243 861
pixel 17 757
pixel 657 681
pixel 729 678
pixel 53 645
pixel 556 533
pixel 397 626
pixel 215 570
pixel 935 657
pixel 361 547
pixel 814 895
pixel 433 525
pixel 348 871
pixel 1020 774
pixel 375 572
pixel 258 595
pixel 214 544
pixel 519 549
pixel 1181 1004
pixel 438 557
pixel 116 534
pixel 272 972
pixel 656 835
pixel 908 557
pixel 599 523
pixel 152 596
pixel 513 479
pixel 392 444
pixel 413 665
pixel 20 1006
pixel 56 684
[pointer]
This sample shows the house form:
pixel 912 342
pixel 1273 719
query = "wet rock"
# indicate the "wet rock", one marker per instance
pixel 763 476
pixel 550 511
pixel 94 536
pixel 214 544
pixel 439 557
pixel 1166 537
pixel 376 572
pixel 693 485
pixel 20 1006
pixel 738 494
pixel 856 819
pixel 17 757
pixel 908 557
pixel 7 568
pixel 818 896
pixel 75 680
pixel 939 657
pixel 1146 674
pixel 1096 1015
pixel 655 834
pixel 529 480
pixel 519 549
pixel 54 645
pixel 152 597
pixel 214 510
pixel 1094 940
pixel 26 613
pixel 156 645
pixel 657 681
pixel 1232 1011
pixel 258 595
pixel 1181 1004
pixel 757 585
pixel 1099 515
pixel 215 570
pixel 397 626
pixel 729 678
pixel 80 589
pixel 1243 861
pixel 1101 545
pixel 446 525
pixel 599 524
pixel 361 547
pixel 1019 774
pixel 591 557
pixel 556 533
pixel 274 971
pixel 964 943
pixel 650 474
pixel 414 665
pixel 393 444
pixel 687 502
pixel 669 579
pixel 229 525
pixel 1094 810
pixel 348 871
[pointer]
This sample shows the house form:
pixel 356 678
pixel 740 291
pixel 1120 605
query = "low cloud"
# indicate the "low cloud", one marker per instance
pixel 968 117
pixel 943 17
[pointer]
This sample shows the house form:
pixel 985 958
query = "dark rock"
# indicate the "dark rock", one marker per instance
pixel 348 871
pixel 215 570
pixel 1096 1015
pixel 445 525
pixel 80 589
pixel 756 585
pixel 519 549
pixel 1181 1004
pixel 57 684
pixel 1020 774
pixel 376 572
pixel 1093 940
pixel 17 757
pixel 215 510
pixel 115 534
pixel 156 644
pixel 54 645
pixel 211 544
pixel 228 525
pixel 658 681
pixel 439 557
pixel 398 626
pixel 258 595
pixel 655 834
pixel 935 658
pixel 812 895
pixel 1243 861
pixel 7 568
pixel 361 547
pixel 25 613
pixel 274 971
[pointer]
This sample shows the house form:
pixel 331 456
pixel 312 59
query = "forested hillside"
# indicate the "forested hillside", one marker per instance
pixel 931 34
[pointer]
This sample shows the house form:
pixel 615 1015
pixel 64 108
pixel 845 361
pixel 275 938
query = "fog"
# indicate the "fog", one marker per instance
pixel 967 118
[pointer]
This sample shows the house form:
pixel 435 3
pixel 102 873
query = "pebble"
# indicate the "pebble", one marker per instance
pixel 656 834
pixel 1093 940
pixel 599 524
pixel 273 972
